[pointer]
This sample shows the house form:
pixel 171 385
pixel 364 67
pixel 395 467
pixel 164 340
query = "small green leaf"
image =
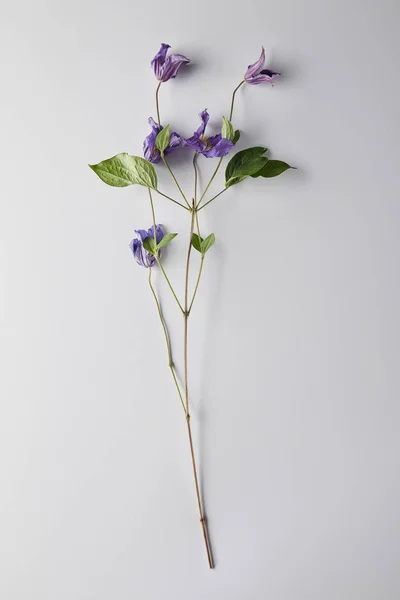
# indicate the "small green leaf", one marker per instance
pixel 208 242
pixel 197 242
pixel 236 137
pixel 227 129
pixel 162 139
pixel 272 168
pixel 245 163
pixel 149 245
pixel 168 237
pixel 123 170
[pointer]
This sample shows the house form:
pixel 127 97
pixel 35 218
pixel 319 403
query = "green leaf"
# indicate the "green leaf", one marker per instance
pixel 162 139
pixel 227 129
pixel 245 163
pixel 168 237
pixel 236 137
pixel 208 242
pixel 149 245
pixel 272 168
pixel 123 170
pixel 197 242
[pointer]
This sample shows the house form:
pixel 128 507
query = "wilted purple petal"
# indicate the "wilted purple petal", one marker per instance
pixel 266 76
pixel 256 67
pixel 256 74
pixel 195 143
pixel 150 150
pixel 220 149
pixel 142 257
pixel 171 66
pixel 166 67
pixel 142 233
pixel 158 61
pixel 174 142
pixel 205 117
pixel 159 233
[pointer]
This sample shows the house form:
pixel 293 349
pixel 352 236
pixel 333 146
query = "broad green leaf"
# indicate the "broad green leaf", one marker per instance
pixel 208 242
pixel 123 170
pixel 162 139
pixel 168 237
pixel 227 130
pixel 272 168
pixel 197 242
pixel 149 245
pixel 235 180
pixel 245 163
pixel 236 137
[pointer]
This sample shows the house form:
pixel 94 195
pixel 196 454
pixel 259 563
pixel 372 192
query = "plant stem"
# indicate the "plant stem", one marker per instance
pixel 233 99
pixel 213 198
pixel 175 180
pixel 170 361
pixel 154 217
pixel 185 345
pixel 210 182
pixel 157 105
pixel 169 284
pixel 221 159
pixel 197 282
pixel 172 200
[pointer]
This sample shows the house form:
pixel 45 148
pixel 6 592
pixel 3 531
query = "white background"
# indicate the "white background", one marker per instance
pixel 294 339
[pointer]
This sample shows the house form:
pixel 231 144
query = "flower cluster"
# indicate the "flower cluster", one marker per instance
pixel 166 67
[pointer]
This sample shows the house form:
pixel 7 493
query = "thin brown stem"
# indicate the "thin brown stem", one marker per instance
pixel 213 198
pixel 172 200
pixel 233 99
pixel 157 105
pixel 167 341
pixel 175 179
pixel 185 357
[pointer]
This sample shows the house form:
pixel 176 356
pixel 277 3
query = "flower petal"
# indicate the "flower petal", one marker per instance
pixel 266 75
pixel 195 143
pixel 159 233
pixel 256 67
pixel 142 233
pixel 171 66
pixel 158 61
pixel 220 149
pixel 205 117
pixel 150 152
pixel 174 142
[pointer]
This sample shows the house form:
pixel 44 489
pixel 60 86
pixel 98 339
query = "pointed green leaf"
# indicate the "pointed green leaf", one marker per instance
pixel 272 168
pixel 168 237
pixel 197 242
pixel 208 242
pixel 123 170
pixel 236 137
pixel 149 245
pixel 227 129
pixel 162 139
pixel 245 163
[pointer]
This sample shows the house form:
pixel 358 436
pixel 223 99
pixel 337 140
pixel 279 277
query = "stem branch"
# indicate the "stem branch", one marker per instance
pixel 170 361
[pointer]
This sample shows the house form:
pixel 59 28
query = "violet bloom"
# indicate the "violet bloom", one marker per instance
pixel 210 147
pixel 256 73
pixel 150 150
pixel 142 257
pixel 166 67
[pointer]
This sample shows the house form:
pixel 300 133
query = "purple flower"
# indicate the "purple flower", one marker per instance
pixel 142 257
pixel 166 67
pixel 210 147
pixel 150 151
pixel 256 73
